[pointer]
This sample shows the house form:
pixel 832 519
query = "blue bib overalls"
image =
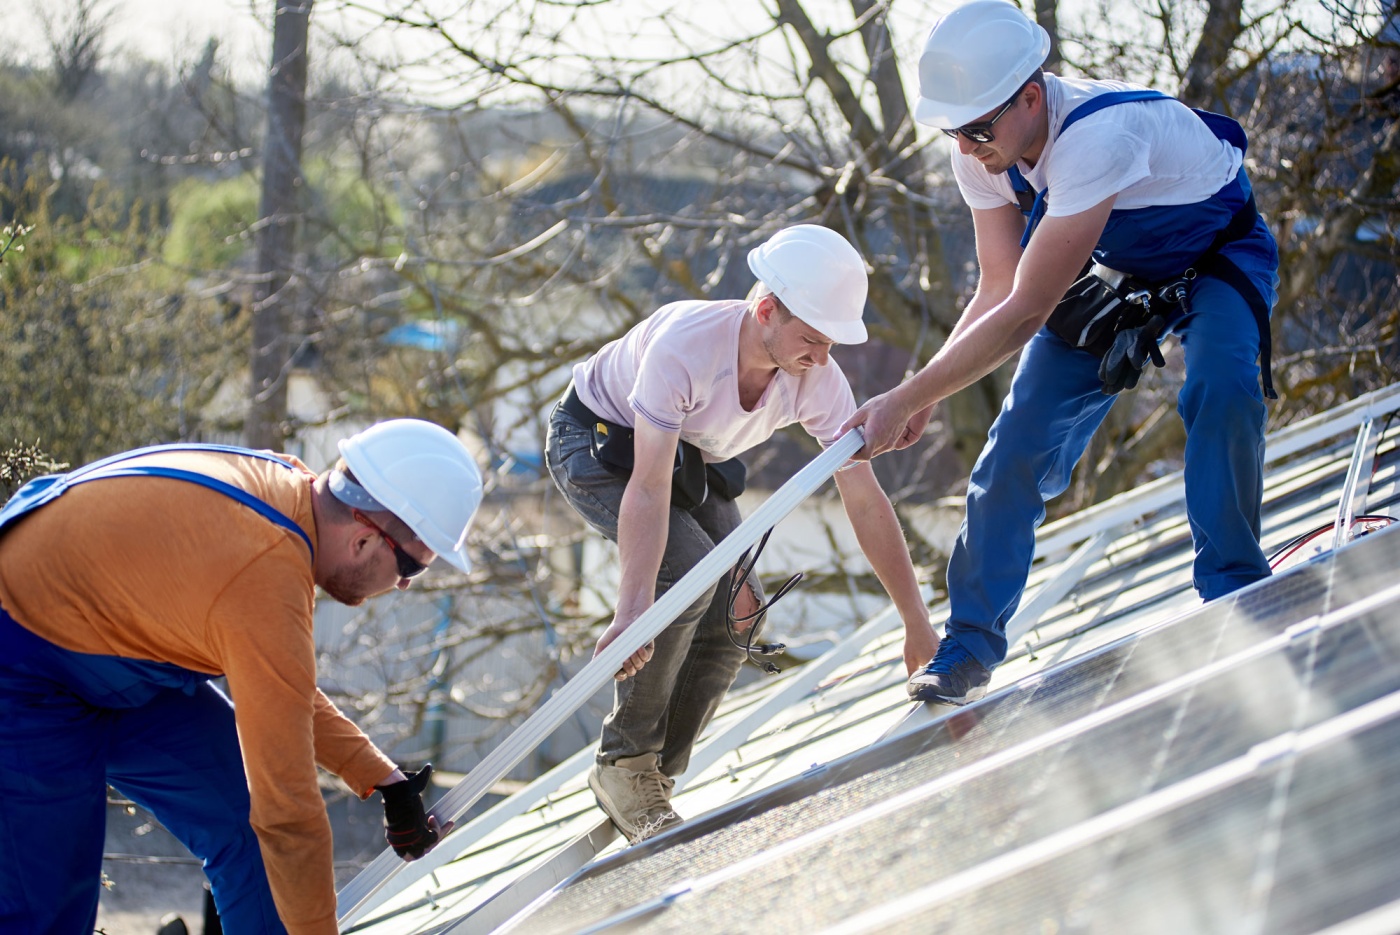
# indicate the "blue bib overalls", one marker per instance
pixel 71 723
pixel 1055 404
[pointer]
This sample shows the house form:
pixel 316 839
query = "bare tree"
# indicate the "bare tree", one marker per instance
pixel 76 32
pixel 273 309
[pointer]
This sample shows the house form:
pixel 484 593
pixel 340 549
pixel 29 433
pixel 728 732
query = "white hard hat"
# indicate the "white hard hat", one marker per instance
pixel 974 60
pixel 425 476
pixel 818 276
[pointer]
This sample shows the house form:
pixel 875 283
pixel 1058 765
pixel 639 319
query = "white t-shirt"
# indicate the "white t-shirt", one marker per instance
pixel 678 370
pixel 1146 152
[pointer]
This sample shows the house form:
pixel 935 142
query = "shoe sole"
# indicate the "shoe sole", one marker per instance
pixel 931 695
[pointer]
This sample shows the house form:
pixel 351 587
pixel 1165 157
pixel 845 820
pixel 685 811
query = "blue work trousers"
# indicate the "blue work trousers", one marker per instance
pixel 1054 407
pixel 72 723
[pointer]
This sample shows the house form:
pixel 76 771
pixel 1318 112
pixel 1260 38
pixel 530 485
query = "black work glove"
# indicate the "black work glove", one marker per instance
pixel 406 825
pixel 1132 348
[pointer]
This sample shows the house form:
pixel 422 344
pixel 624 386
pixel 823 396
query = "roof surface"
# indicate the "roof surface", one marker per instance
pixel 1143 762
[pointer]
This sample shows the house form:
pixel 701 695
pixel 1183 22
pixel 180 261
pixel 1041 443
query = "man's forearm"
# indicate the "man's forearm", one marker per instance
pixel 882 540
pixel 982 301
pixel 977 346
pixel 642 529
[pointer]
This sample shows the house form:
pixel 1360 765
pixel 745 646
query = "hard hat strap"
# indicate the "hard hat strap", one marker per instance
pixel 352 494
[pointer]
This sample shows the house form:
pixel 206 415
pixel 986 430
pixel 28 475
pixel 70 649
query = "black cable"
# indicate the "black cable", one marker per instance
pixel 738 576
pixel 1297 542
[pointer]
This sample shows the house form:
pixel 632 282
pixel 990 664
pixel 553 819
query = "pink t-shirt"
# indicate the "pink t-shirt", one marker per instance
pixel 679 371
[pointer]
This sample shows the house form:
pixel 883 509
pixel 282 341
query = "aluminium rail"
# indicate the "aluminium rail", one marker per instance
pixel 1111 517
pixel 1057 537
pixel 355 898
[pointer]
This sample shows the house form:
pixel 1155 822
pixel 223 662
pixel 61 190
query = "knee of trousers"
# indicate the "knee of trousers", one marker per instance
pixel 1224 401
pixel 1016 472
pixel 214 825
pixel 238 879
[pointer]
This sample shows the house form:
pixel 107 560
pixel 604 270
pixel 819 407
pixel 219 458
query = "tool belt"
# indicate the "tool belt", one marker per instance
pixel 1101 303
pixel 1104 305
pixel 692 479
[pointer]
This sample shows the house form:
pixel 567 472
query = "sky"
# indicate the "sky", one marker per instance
pixel 165 31
pixel 172 32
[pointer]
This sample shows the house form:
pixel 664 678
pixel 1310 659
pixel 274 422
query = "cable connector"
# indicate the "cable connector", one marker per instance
pixel 737 576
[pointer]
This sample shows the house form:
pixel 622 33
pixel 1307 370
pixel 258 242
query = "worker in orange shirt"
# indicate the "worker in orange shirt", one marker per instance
pixel 125 586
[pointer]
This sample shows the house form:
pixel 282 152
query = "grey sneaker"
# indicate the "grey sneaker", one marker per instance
pixel 635 795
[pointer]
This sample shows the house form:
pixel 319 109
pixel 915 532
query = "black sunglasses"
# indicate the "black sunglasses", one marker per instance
pixel 982 132
pixel 409 567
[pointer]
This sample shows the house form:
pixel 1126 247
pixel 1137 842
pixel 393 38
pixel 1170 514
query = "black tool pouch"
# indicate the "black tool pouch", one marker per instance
pixel 612 446
pixel 1100 304
pixel 727 479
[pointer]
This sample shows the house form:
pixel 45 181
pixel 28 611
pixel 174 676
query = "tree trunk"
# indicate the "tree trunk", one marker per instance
pixel 1204 83
pixel 1047 14
pixel 277 226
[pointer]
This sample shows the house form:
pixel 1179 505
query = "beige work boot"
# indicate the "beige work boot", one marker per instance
pixel 635 795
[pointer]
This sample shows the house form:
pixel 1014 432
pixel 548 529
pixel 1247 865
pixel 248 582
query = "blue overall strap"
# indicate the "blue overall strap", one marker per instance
pixel 1037 204
pixel 42 490
pixel 178 446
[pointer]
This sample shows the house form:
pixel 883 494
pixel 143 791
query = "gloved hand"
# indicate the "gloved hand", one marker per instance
pixel 406 825
pixel 1132 348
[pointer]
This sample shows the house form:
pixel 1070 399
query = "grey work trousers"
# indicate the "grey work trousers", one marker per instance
pixel 663 708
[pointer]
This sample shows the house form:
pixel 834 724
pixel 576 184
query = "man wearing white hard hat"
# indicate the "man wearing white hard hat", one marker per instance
pixel 1107 216
pixel 126 585
pixel 641 447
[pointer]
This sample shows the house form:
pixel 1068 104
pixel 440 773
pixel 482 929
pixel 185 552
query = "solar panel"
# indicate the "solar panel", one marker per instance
pixel 1124 653
pixel 1132 723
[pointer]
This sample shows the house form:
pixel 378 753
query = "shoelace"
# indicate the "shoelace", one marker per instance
pixel 949 656
pixel 651 826
pixel 654 789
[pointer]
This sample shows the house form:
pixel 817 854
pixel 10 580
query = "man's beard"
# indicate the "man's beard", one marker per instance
pixel 348 587
pixel 792 368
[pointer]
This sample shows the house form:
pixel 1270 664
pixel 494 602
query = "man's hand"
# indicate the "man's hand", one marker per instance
pixel 407 828
pixel 920 643
pixel 914 428
pixel 634 662
pixel 888 423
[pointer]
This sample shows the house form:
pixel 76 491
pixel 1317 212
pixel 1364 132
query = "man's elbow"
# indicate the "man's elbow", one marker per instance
pixel 1026 313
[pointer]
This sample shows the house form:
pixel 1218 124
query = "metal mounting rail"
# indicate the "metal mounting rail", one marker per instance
pixel 353 900
pixel 726 732
pixel 1067 576
pixel 1352 500
pixel 1126 508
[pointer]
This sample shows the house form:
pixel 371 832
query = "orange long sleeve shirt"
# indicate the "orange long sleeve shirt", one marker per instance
pixel 169 571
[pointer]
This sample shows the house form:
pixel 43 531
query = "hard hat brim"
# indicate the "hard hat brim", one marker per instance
pixel 944 116
pixel 457 559
pixel 842 332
